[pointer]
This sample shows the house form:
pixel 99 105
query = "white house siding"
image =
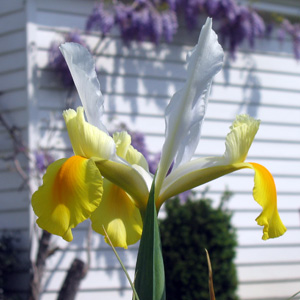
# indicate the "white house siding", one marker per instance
pixel 14 199
pixel 137 83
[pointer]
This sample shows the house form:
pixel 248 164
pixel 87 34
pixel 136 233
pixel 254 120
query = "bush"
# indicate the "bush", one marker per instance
pixel 186 231
pixel 8 263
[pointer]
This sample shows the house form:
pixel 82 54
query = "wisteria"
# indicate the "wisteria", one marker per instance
pixel 157 20
pixel 141 20
pixel 42 160
pixel 294 32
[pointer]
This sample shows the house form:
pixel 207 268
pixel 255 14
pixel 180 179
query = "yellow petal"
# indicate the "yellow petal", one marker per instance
pixel 193 174
pixel 119 216
pixel 87 140
pixel 240 138
pixel 203 170
pixel 126 150
pixel 71 191
pixel 264 193
pixel 130 179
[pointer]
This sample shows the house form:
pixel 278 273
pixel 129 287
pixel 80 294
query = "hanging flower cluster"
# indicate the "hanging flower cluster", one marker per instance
pixel 293 30
pixel 141 20
pixel 156 19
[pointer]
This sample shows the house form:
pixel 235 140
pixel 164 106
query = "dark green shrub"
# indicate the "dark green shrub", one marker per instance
pixel 8 263
pixel 186 231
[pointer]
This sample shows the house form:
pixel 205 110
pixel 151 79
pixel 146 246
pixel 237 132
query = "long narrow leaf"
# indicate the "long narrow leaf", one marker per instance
pixel 150 274
pixel 135 295
pixel 210 278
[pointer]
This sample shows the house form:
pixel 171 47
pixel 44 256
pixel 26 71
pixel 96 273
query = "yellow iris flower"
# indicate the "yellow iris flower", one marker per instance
pixel 109 181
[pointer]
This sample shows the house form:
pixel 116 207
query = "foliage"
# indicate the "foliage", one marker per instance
pixel 8 261
pixel 186 231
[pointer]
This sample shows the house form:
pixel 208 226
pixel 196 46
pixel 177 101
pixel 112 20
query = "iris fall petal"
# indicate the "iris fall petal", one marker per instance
pixel 119 216
pixel 71 191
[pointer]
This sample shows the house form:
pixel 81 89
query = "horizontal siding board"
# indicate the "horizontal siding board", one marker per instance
pixel 269 291
pixel 263 273
pixel 12 61
pixel 46 18
pixel 15 41
pixel 11 6
pixel 8 220
pixel 12 22
pixel 114 279
pixel 13 80
pixel 94 294
pixel 14 200
pixel 10 180
pixel 13 100
pixel 66 7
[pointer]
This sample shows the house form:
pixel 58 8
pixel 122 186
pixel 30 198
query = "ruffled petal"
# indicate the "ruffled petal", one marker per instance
pixel 264 193
pixel 126 150
pixel 202 170
pixel 119 216
pixel 87 140
pixel 240 138
pixel 71 191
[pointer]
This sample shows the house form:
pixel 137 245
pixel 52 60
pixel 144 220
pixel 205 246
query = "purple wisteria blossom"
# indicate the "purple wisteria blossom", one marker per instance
pixel 247 26
pixel 42 160
pixel 141 20
pixel 293 30
pixel 100 19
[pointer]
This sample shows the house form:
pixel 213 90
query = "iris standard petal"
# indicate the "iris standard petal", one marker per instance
pixel 82 67
pixel 71 191
pixel 119 216
pixel 87 140
pixel 186 110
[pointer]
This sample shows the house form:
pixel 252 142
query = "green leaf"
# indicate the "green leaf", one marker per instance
pixel 150 274
pixel 135 296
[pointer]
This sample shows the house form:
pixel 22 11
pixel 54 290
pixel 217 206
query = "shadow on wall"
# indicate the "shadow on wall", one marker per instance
pixel 251 85
pixel 251 89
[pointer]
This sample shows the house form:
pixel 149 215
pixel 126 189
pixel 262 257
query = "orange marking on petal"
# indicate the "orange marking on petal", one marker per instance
pixel 66 179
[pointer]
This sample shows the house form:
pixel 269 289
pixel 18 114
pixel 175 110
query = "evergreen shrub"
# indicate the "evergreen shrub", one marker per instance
pixel 186 231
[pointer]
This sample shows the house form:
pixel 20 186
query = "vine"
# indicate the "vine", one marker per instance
pixel 157 21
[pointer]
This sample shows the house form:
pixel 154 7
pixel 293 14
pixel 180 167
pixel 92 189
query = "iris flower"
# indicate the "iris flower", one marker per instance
pixel 108 181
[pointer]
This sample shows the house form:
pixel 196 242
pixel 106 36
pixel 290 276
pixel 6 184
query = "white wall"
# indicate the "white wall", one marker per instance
pixel 14 194
pixel 137 83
